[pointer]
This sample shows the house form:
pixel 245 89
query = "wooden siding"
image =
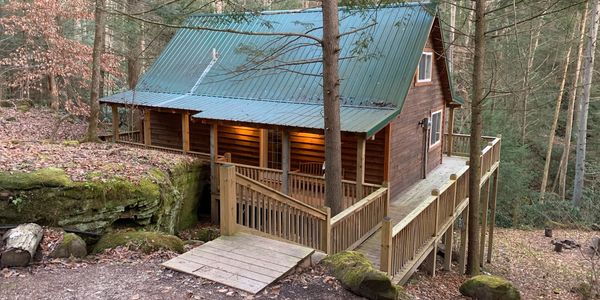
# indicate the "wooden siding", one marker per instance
pixel 407 137
pixel 374 157
pixel 199 137
pixel 165 129
pixel 242 142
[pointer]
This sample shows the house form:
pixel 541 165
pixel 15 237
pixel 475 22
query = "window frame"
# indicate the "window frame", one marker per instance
pixel 426 80
pixel 440 128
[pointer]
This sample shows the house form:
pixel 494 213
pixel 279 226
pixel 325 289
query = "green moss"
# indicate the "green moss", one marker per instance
pixel 47 177
pixel 71 143
pixel 489 288
pixel 206 234
pixel 357 274
pixel 146 241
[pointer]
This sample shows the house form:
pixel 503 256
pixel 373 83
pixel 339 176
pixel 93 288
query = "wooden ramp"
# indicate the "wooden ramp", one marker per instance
pixel 242 261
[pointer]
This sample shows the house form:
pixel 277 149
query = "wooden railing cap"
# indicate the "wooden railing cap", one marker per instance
pixel 435 192
pixel 453 176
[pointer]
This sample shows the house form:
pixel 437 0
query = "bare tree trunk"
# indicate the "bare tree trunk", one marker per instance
pixel 533 45
pixel 92 133
pixel 473 267
pixel 564 160
pixel 452 36
pixel 331 102
pixel 134 67
pixel 53 92
pixel 552 132
pixel 584 104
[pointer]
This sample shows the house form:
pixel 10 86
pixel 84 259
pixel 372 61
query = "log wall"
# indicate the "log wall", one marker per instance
pixel 407 136
pixel 166 129
pixel 199 137
pixel 242 142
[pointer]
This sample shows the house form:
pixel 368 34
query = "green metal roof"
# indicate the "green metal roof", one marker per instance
pixel 376 75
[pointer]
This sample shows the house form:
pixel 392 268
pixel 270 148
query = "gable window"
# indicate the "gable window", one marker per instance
pixel 425 67
pixel 436 128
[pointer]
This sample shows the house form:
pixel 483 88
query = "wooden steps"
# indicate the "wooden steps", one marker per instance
pixel 242 261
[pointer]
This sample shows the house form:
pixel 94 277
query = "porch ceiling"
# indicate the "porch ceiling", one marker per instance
pixel 301 115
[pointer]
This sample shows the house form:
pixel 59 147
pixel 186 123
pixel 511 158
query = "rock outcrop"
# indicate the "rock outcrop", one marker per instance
pixel 486 287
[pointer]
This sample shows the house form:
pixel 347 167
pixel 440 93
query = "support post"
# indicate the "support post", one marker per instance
pixel 485 198
pixel 448 245
pixel 494 196
pixel 327 234
pixel 116 120
pixel 462 258
pixel 185 131
pixel 285 161
pixel 429 265
pixel 147 128
pixel 361 145
pixel 385 262
pixel 450 131
pixel 228 199
pixel 214 203
pixel 264 148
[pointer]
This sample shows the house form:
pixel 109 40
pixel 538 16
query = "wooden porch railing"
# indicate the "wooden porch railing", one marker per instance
pixel 247 204
pixel 359 221
pixel 309 189
pixel 407 244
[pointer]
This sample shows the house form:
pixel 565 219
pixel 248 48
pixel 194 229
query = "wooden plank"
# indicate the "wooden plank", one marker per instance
pixel 250 251
pixel 239 257
pixel 214 181
pixel 185 131
pixel 285 161
pixel 182 265
pixel 232 266
pixel 272 245
pixel 361 145
pixel 228 199
pixel 233 280
pixel 264 148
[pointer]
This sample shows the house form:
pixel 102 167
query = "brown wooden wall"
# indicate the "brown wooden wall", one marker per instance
pixel 166 129
pixel 199 137
pixel 242 142
pixel 407 136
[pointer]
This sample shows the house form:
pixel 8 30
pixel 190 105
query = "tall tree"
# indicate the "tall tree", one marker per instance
pixel 99 18
pixel 584 103
pixel 473 267
pixel 556 115
pixel 561 177
pixel 331 102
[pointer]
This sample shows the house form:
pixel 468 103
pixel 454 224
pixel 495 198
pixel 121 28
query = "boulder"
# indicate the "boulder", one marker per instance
pixel 206 234
pixel 487 287
pixel 357 274
pixel 145 241
pixel 70 245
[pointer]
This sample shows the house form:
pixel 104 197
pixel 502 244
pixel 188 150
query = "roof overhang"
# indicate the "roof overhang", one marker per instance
pixel 354 119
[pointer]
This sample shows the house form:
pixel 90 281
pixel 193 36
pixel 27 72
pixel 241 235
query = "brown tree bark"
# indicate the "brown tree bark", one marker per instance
pixel 331 103
pixel 134 66
pixel 584 104
pixel 552 132
pixel 53 92
pixel 564 160
pixel 92 132
pixel 473 263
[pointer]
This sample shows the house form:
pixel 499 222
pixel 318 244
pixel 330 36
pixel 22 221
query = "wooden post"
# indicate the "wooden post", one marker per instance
pixel 485 198
pixel 386 204
pixel 436 193
pixel 185 131
pixel 450 131
pixel 386 153
pixel 214 204
pixel 327 234
pixel 448 245
pixel 285 161
pixel 147 128
pixel 494 195
pixel 429 265
pixel 116 120
pixel 264 148
pixel 462 258
pixel 228 199
pixel 385 262
pixel 361 145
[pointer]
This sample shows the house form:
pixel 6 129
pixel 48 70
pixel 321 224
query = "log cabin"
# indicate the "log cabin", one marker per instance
pixel 248 93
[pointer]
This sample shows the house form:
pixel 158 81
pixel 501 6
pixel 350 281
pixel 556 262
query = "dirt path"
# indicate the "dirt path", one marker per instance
pixel 147 280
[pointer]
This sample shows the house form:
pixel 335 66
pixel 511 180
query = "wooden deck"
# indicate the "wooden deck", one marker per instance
pixel 402 205
pixel 242 261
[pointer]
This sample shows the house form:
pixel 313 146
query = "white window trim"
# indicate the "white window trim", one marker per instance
pixel 441 112
pixel 430 68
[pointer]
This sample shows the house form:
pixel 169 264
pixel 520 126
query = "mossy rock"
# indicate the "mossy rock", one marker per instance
pixel 206 234
pixel 487 287
pixel 70 245
pixel 71 143
pixel 47 177
pixel 357 274
pixel 145 241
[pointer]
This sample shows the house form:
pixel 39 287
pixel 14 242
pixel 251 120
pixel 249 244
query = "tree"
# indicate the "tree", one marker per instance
pixel 478 96
pixel 331 103
pixel 584 104
pixel 99 18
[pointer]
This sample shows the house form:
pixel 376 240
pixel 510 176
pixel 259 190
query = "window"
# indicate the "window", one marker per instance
pixel 436 128
pixel 425 65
